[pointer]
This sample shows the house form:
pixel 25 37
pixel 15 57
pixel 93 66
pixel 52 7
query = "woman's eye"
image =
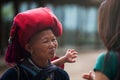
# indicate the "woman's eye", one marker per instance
pixel 54 39
pixel 45 41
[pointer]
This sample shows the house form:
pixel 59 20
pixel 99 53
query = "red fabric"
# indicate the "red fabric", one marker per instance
pixel 31 21
pixel 25 25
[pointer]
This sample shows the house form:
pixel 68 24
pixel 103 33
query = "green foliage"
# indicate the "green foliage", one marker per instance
pixel 7 12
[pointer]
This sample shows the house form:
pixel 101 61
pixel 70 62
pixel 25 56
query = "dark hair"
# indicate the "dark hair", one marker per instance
pixel 109 27
pixel 109 24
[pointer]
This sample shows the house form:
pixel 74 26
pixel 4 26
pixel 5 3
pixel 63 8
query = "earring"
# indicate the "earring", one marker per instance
pixel 31 52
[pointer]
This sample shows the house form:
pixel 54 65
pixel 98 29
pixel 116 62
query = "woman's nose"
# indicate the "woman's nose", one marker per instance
pixel 52 44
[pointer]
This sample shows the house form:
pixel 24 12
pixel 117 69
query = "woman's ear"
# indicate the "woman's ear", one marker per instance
pixel 28 47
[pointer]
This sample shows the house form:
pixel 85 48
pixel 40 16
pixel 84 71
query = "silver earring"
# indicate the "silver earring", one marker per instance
pixel 31 52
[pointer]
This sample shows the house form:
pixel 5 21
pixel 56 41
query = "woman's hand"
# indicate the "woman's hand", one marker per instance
pixel 70 56
pixel 89 76
pixel 95 76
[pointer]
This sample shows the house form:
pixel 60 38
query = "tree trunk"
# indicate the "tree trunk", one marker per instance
pixel 1 29
pixel 16 5
pixel 41 3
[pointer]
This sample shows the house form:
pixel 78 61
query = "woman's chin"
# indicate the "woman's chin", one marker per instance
pixel 51 57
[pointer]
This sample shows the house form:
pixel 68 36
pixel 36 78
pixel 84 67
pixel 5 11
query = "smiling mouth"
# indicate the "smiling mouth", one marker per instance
pixel 52 52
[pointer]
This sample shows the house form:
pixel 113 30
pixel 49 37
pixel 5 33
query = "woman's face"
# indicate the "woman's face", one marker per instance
pixel 43 45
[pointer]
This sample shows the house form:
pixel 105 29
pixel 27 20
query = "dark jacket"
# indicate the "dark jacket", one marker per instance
pixel 22 74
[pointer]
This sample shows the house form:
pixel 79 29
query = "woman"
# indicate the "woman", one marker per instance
pixel 32 44
pixel 107 66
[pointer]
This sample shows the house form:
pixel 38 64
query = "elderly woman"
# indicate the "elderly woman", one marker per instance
pixel 32 45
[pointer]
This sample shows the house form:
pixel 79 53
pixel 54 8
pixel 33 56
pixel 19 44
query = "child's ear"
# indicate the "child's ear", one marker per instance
pixel 28 47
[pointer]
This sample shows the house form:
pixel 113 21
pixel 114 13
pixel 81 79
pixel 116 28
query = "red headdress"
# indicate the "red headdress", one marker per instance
pixel 25 25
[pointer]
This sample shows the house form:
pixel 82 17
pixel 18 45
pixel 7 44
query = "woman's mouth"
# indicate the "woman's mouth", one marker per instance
pixel 52 52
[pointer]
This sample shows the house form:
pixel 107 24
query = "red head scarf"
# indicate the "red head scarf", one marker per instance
pixel 25 25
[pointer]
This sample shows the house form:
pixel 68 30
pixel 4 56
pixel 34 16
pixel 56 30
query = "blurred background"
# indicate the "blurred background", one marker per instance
pixel 80 28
